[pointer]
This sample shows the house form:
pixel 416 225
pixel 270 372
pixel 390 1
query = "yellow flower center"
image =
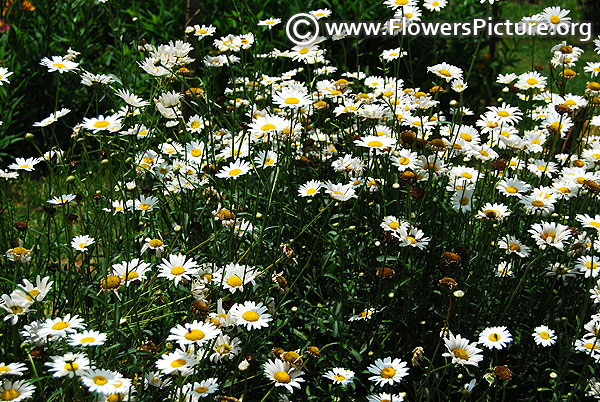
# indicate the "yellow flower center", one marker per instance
pixel 466 137
pixel 235 172
pixel 591 265
pixel 375 144
pixel 201 390
pixel 514 247
pixel 131 276
pixel 339 377
pixel 387 372
pixel 445 73
pixel 19 251
pixel 178 363
pixel 100 380
pixel 195 124
pixel 394 225
pixel 404 160
pixel 464 201
pixel 544 335
pixel 196 152
pixel 548 235
pixel 282 377
pixel 503 113
pixel 460 353
pixel 9 394
pixel 304 50
pixel 155 243
pixel 60 66
pixel 556 126
pixel 223 349
pixel 311 191
pixel 466 175
pixel 178 270
pixel 234 281
pixel 87 339
pixel 60 325
pixel 194 335
pixel 251 316
pixel 291 101
pixel 72 366
pixel 16 309
pixel 494 337
pixel 555 19
pixel 268 127
pixel 537 203
pixel 532 81
pixel 512 190
pixel 101 124
pixel 117 397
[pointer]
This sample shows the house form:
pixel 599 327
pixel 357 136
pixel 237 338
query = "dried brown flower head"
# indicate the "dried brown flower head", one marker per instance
pixel 502 373
pixel 448 283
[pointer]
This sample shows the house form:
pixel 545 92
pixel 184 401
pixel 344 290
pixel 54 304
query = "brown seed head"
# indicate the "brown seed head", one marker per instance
pixel 448 283
pixel 200 308
pixel 562 109
pixel 502 373
pixel 21 226
pixel 385 272
pixel 408 177
pixel 591 186
pixel 500 164
pixel 408 137
pixel 437 144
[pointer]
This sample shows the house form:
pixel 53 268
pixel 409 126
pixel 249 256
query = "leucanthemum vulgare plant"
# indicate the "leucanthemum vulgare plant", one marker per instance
pixel 252 222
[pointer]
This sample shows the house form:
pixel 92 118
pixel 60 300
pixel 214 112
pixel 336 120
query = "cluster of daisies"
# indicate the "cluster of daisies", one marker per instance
pixel 387 135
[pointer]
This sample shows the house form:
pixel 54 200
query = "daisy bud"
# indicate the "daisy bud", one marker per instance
pixel 29 137
pixel 459 294
pixel 70 179
pixel 243 365
pixel 104 162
